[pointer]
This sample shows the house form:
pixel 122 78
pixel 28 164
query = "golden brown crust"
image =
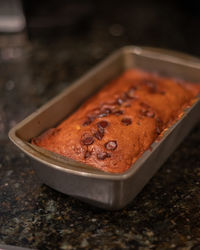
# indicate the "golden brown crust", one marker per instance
pixel 113 128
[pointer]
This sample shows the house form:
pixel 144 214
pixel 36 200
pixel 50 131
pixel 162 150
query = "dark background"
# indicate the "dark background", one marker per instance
pixel 62 41
pixel 170 24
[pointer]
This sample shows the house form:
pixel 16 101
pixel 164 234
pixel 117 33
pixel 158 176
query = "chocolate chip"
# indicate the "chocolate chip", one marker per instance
pixel 118 112
pixel 99 134
pixel 143 111
pixel 119 101
pixel 147 113
pixel 87 122
pixel 125 97
pixel 152 86
pixel 102 124
pixel 35 140
pixel 105 112
pixel 108 111
pixel 159 122
pixel 158 131
pixel 91 117
pixel 87 140
pixel 87 154
pixel 162 92
pixel 53 131
pixel 101 130
pixel 159 125
pixel 150 114
pixel 126 121
pixel 103 155
pixel 131 93
pixel 111 145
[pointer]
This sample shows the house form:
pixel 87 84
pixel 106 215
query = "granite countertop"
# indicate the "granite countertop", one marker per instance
pixel 165 214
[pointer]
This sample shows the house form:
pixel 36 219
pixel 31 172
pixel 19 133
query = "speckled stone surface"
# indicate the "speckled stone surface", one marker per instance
pixel 166 214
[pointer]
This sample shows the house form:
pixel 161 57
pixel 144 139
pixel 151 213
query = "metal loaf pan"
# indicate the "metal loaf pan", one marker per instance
pixel 105 190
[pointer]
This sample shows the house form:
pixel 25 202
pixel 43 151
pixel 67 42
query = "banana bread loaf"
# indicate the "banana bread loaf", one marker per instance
pixel 114 127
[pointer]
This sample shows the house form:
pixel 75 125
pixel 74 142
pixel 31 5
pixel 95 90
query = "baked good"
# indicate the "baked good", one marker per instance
pixel 113 128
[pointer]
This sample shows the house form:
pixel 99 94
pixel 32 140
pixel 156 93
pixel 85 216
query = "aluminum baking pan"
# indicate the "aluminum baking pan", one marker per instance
pixel 105 190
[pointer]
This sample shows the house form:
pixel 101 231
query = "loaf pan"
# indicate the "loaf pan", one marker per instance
pixel 106 190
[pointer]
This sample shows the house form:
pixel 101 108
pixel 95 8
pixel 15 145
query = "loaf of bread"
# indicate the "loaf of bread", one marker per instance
pixel 114 127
